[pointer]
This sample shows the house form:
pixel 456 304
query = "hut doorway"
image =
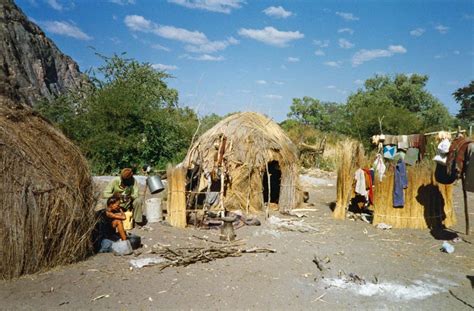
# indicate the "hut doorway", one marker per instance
pixel 275 180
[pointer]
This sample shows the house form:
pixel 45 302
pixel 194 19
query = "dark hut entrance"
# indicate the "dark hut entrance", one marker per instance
pixel 275 180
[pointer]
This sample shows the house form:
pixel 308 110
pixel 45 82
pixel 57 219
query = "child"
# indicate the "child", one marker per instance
pixel 115 215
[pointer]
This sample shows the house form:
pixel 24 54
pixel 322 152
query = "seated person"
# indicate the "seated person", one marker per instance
pixel 126 188
pixel 115 216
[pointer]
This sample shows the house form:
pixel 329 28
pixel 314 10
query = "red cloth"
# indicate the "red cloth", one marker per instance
pixel 457 152
pixel 369 183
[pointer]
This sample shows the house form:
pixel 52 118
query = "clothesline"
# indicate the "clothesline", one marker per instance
pixel 454 132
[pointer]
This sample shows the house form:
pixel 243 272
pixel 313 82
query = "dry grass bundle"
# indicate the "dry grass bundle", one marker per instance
pixel 46 195
pixel 253 143
pixel 427 203
pixel 351 156
pixel 176 197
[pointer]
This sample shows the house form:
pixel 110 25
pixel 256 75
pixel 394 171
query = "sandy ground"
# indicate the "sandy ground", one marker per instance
pixel 398 269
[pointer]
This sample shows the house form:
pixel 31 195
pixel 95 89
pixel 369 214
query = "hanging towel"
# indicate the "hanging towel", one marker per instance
pixel 403 142
pixel 399 184
pixel 418 141
pixel 368 184
pixel 379 166
pixel 389 151
pixel 469 173
pixel 412 156
pixel 360 182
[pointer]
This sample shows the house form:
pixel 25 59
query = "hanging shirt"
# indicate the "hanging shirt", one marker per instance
pixel 411 156
pixel 399 184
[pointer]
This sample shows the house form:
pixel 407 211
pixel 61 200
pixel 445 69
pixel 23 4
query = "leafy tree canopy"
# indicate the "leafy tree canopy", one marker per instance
pixel 465 97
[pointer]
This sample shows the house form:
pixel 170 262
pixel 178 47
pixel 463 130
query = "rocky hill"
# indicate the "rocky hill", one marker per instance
pixel 31 66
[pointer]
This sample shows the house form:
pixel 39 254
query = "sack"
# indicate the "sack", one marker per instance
pixel 122 248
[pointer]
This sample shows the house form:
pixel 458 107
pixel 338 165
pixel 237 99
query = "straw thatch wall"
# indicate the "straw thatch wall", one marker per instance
pixel 252 142
pixel 427 203
pixel 45 195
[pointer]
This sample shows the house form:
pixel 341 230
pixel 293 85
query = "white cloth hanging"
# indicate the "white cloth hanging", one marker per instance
pixel 379 166
pixel 360 182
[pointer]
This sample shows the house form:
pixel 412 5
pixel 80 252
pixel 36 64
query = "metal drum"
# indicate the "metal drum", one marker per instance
pixel 154 184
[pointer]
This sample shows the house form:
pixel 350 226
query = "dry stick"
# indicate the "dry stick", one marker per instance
pixel 269 189
pixel 466 212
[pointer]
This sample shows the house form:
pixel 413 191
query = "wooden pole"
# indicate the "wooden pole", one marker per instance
pixel 466 211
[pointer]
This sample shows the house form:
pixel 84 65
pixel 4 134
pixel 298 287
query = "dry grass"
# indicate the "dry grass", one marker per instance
pixel 176 197
pixel 46 195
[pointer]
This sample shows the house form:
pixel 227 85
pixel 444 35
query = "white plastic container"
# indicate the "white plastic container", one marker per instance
pixel 154 212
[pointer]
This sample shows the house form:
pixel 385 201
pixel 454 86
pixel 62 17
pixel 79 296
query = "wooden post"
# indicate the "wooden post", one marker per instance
pixel 466 211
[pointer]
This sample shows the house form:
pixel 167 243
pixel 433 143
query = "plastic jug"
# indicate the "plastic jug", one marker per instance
pixel 128 222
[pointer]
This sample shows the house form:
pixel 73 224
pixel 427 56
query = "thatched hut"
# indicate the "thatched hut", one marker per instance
pixel 259 161
pixel 46 195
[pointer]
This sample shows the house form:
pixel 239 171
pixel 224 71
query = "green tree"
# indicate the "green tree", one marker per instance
pixel 128 115
pixel 323 116
pixel 404 104
pixel 465 97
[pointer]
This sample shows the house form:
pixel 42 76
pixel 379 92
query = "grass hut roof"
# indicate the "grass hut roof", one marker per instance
pixel 254 146
pixel 46 195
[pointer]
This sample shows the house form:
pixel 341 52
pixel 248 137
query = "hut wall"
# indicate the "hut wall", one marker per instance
pixel 290 197
pixel 427 203
pixel 176 207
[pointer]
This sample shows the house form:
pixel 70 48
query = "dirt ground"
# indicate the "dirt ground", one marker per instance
pixel 362 268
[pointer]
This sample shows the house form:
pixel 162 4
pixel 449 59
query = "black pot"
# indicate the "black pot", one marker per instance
pixel 135 240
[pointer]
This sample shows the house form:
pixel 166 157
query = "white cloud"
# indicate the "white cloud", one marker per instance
pixel 137 23
pixel 211 46
pixel 417 32
pixel 439 56
pixel 278 82
pixel 331 87
pixel 262 82
pixel 345 44
pixel 363 56
pixel 347 16
pixel 359 82
pixel 278 12
pixel 333 63
pixel 456 52
pixel 319 53
pixel 468 16
pixel 442 29
pixel 220 6
pixel 66 29
pixel 205 58
pixel 321 43
pixel 271 36
pixel 122 2
pixel 160 47
pixel 115 40
pixel 197 42
pixel 55 5
pixel 293 59
pixel 163 67
pixel 347 30
pixel 273 96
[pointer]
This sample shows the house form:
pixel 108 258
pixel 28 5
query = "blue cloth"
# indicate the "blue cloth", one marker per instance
pixel 399 184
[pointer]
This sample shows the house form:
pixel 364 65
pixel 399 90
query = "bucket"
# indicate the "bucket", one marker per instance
pixel 154 212
pixel 128 222
pixel 154 184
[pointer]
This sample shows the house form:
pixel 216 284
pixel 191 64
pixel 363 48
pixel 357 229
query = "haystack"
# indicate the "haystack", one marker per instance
pixel 260 161
pixel 46 195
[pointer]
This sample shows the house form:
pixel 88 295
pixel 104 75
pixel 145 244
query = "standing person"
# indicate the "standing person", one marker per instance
pixel 125 187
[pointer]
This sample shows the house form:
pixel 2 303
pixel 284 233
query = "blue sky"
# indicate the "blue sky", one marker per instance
pixel 234 55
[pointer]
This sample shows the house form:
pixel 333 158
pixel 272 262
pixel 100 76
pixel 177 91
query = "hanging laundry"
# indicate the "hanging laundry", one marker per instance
pixel 379 166
pixel 399 155
pixel 403 142
pixel 442 151
pixel 389 151
pixel 411 156
pixel 360 182
pixel 469 169
pixel 400 183
pixel 457 152
pixel 369 183
pixel 418 141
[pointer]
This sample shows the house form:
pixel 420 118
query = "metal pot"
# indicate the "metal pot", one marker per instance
pixel 154 184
